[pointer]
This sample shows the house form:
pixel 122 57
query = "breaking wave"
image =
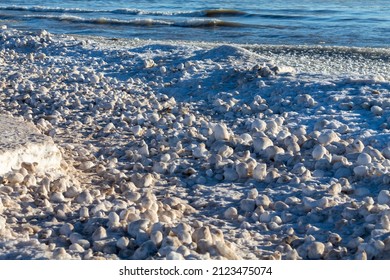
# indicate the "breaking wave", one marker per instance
pixel 125 11
pixel 140 21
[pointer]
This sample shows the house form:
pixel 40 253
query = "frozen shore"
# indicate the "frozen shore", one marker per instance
pixel 175 150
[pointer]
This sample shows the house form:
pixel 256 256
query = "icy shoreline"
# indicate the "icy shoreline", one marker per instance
pixel 191 151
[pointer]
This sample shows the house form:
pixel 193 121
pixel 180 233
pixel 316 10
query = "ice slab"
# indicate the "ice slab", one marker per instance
pixel 21 141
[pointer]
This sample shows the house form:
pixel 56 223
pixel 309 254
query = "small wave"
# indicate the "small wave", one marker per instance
pixel 202 13
pixel 280 16
pixel 122 11
pixel 127 11
pixel 222 12
pixel 302 11
pixel 208 23
pixel 325 11
pixel 101 20
pixel 43 9
pixel 139 21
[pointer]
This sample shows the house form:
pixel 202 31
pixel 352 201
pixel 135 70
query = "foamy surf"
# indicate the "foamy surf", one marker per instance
pixel 201 13
pixel 140 21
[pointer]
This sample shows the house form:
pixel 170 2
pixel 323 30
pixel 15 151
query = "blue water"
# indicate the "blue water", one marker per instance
pixel 361 23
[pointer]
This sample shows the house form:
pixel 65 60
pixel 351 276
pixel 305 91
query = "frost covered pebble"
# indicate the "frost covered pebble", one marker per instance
pixel 76 248
pixel 260 171
pixel 122 242
pixel 61 254
pixel 66 229
pixel 263 200
pixel 376 110
pixel 221 132
pixel 363 159
pixel 315 250
pixel 361 170
pixel 386 152
pixel 99 234
pixel 113 220
pixel 2 224
pixel 230 213
pixel 15 178
pixel 327 137
pixel 319 152
pixel 262 143
pixel 248 205
pixel 175 256
pixel 384 197
pixel 258 125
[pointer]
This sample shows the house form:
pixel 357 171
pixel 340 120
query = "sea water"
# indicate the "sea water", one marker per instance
pixel 360 23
